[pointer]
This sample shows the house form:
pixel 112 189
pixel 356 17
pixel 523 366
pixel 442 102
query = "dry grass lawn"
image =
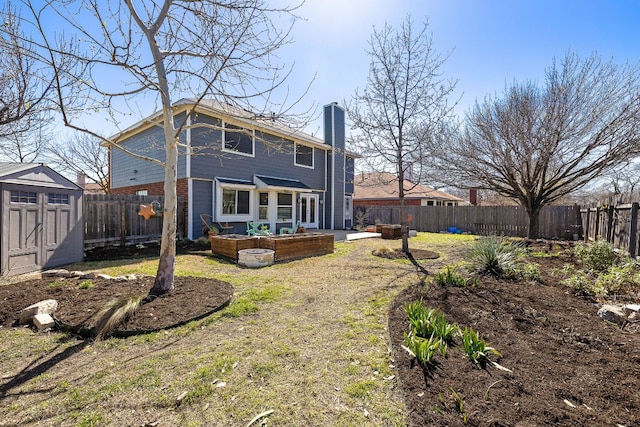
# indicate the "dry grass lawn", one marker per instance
pixel 306 339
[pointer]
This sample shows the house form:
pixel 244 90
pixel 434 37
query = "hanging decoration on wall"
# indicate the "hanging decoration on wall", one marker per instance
pixel 146 211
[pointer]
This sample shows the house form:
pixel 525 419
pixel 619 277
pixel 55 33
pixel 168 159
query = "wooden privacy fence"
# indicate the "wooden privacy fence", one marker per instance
pixel 113 220
pixel 614 220
pixel 556 222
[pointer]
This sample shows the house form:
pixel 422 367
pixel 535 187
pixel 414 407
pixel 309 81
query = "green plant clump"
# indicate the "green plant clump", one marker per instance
pixel 597 256
pixel 476 348
pixel 449 277
pixel 494 256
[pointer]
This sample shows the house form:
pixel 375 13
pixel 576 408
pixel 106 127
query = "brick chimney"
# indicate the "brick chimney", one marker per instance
pixel 81 180
pixel 473 196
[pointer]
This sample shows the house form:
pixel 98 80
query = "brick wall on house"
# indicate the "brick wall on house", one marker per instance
pixel 157 189
pixel 386 202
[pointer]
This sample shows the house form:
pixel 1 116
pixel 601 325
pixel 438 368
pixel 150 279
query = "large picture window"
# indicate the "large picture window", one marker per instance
pixel 235 202
pixel 304 155
pixel 238 140
pixel 285 206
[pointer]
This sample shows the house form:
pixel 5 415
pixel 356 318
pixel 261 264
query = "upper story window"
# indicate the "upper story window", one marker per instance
pixel 23 197
pixel 304 155
pixel 238 140
pixel 57 199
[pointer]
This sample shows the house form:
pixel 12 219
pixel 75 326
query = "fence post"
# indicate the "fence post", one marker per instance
pixel 586 223
pixel 633 249
pixel 123 228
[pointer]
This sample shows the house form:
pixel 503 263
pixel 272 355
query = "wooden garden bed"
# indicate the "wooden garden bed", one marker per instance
pixel 228 245
pixel 286 246
pixel 296 246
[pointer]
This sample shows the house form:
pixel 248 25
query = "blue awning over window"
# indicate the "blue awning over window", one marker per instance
pixel 272 182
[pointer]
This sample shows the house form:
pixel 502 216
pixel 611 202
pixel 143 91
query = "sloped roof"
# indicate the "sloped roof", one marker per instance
pixel 384 185
pixel 35 174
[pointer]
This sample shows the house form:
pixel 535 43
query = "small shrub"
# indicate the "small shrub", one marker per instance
pixel 56 284
pixel 619 279
pixel 597 256
pixel 581 282
pixel 494 256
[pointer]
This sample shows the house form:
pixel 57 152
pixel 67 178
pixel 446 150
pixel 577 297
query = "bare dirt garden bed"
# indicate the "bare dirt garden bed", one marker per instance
pixel 570 367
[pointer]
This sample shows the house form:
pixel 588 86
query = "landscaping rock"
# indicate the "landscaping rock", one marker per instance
pixel 92 275
pixel 613 313
pixel 48 306
pixel 56 273
pixel 43 321
pixel 104 276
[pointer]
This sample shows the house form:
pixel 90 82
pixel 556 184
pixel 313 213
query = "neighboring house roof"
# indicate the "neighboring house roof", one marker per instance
pixel 384 185
pixel 35 174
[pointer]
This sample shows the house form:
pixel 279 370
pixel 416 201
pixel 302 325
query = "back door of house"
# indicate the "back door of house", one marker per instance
pixel 309 210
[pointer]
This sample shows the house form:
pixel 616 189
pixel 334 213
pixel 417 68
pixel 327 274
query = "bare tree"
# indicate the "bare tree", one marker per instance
pixel 154 51
pixel 402 110
pixel 81 155
pixel 539 143
pixel 25 93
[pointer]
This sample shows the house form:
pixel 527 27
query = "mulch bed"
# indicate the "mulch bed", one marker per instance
pixel 560 352
pixel 191 298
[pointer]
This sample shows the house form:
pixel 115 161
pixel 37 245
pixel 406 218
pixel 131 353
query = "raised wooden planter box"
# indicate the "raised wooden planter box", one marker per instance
pixel 228 245
pixel 296 246
pixel 391 231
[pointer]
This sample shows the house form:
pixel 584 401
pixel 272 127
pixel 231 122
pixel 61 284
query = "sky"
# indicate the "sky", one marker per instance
pixel 491 42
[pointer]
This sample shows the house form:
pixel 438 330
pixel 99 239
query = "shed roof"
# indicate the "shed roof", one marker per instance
pixel 34 174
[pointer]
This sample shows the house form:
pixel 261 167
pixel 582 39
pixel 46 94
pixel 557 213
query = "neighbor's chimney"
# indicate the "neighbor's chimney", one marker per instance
pixel 473 196
pixel 81 180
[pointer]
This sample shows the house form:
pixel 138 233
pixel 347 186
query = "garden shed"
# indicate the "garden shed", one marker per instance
pixel 41 219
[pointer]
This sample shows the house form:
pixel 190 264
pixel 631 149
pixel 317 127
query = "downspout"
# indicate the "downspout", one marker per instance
pixel 333 167
pixel 189 180
pixel 324 193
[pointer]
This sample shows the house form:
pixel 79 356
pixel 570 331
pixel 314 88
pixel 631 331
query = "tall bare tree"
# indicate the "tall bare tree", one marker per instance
pixel 153 52
pixel 400 113
pixel 538 143
pixel 81 154
pixel 26 89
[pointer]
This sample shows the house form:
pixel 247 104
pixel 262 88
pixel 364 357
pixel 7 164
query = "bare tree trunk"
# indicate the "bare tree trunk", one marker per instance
pixel 534 223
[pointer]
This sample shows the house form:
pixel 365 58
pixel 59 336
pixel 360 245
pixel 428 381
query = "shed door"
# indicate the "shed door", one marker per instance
pixel 24 233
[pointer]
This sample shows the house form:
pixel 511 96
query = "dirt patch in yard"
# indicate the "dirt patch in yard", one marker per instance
pixel 570 368
pixel 79 299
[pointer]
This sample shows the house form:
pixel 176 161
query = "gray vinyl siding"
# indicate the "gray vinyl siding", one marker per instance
pixel 149 143
pixel 273 156
pixel 349 175
pixel 202 199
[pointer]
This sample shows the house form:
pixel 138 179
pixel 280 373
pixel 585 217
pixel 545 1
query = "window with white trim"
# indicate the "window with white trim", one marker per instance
pixel 285 206
pixel 23 197
pixel 263 206
pixel 303 155
pixel 235 202
pixel 142 192
pixel 347 207
pixel 238 140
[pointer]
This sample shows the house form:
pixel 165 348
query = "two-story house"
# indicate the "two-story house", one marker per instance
pixel 238 167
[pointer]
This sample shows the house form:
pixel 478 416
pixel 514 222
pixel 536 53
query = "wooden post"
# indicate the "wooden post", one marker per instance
pixel 586 223
pixel 123 228
pixel 633 249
